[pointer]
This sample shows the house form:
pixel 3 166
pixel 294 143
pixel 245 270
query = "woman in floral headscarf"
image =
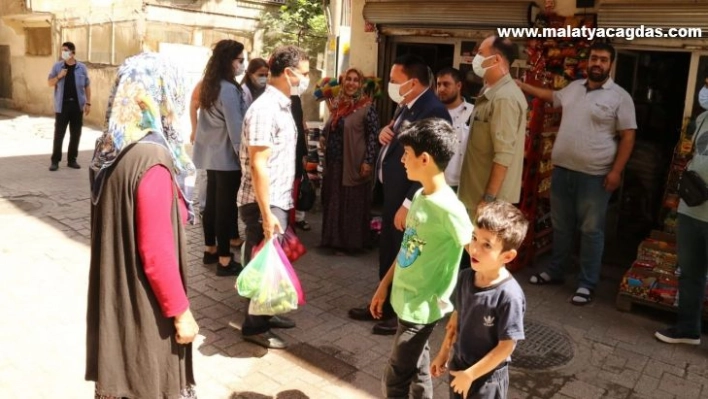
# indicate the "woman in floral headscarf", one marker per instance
pixel 139 326
pixel 350 152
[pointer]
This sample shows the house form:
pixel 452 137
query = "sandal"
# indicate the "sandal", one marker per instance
pixel 581 298
pixel 303 225
pixel 539 279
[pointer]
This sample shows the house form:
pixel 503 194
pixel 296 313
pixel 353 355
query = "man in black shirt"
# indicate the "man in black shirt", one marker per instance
pixel 72 99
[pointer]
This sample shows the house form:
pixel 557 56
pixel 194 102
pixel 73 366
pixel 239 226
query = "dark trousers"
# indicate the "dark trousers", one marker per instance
pixel 72 116
pixel 220 213
pixel 251 217
pixel 692 240
pixel 408 369
pixel 494 385
pixel 389 246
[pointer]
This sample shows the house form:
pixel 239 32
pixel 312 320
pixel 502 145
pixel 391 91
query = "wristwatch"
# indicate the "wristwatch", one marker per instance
pixel 488 197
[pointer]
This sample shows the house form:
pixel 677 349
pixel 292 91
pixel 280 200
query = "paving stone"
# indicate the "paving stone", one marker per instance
pixel 580 389
pixel 656 369
pixel 679 386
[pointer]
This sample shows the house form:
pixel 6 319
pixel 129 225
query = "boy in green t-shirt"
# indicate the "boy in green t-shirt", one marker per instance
pixel 425 271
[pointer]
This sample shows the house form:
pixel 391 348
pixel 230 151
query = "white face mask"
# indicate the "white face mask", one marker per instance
pixel 65 55
pixel 394 91
pixel 477 67
pixel 301 87
pixel 703 98
pixel 261 81
pixel 240 69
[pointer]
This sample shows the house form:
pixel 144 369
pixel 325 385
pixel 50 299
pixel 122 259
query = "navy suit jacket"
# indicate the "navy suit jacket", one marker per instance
pixel 396 185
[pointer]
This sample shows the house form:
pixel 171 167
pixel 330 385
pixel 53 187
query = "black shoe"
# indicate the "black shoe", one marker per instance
pixel 210 258
pixel 53 167
pixel 233 269
pixel 73 165
pixel 673 336
pixel 386 327
pixel 303 225
pixel 266 340
pixel 280 322
pixel 361 314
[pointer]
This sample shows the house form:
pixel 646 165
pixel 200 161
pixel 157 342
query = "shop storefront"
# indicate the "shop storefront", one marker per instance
pixel 663 77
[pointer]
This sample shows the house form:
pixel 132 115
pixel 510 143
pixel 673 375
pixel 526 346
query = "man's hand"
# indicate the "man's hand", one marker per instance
pixel 612 181
pixel 62 73
pixel 462 381
pixel 386 134
pixel 87 109
pixel 323 143
pixel 377 302
pixel 438 366
pixel 186 328
pixel 365 170
pixel 399 221
pixel 271 225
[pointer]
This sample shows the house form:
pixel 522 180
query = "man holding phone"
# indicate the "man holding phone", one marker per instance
pixel 72 99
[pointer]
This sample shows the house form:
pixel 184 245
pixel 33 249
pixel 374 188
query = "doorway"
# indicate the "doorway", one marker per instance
pixel 657 82
pixel 5 73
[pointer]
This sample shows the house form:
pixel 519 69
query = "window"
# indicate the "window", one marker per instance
pixel 38 41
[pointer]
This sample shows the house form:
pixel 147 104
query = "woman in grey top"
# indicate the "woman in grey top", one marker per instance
pixel 216 150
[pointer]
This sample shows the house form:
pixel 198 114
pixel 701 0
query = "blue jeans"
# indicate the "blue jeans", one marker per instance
pixel 692 245
pixel 578 201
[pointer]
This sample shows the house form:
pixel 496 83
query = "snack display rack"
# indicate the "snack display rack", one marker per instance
pixel 553 63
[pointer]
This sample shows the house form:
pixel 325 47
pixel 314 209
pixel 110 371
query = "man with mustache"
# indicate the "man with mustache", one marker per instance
pixel 588 160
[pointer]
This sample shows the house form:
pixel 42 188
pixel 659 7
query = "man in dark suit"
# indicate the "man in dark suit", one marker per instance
pixel 409 86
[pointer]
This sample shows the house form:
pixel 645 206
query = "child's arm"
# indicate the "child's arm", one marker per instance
pixel 463 379
pixel 377 302
pixel 439 364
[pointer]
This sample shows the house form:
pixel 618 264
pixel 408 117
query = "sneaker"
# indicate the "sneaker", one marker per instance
pixel 673 336
pixel 233 269
pixel 73 165
pixel 53 167
pixel 210 258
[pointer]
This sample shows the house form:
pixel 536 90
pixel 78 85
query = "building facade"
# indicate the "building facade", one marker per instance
pixel 105 33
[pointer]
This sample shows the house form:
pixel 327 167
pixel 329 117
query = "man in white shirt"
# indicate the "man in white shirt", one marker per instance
pixel 449 91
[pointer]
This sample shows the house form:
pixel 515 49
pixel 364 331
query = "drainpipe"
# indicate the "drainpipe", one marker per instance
pixel 89 41
pixel 113 42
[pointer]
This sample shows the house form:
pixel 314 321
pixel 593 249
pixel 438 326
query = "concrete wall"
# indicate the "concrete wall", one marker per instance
pixel 364 48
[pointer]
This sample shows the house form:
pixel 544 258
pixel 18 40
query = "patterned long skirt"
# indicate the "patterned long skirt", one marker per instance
pixel 346 211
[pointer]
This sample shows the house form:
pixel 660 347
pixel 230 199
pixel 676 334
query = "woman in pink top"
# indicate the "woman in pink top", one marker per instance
pixel 139 326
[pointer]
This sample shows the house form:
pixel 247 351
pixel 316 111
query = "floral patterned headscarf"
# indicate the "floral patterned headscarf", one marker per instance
pixel 147 97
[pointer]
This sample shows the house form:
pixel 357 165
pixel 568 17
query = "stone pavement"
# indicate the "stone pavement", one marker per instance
pixel 44 254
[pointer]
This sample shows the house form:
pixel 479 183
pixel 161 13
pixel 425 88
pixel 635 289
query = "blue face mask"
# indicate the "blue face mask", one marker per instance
pixel 703 97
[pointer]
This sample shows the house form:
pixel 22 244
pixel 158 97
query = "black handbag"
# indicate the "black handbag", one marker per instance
pixel 692 188
pixel 306 195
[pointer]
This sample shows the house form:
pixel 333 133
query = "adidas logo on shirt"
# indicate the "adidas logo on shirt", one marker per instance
pixel 489 321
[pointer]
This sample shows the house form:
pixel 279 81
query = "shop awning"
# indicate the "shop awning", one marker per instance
pixel 663 14
pixel 449 14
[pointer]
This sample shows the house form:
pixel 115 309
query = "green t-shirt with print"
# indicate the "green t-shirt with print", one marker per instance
pixel 437 229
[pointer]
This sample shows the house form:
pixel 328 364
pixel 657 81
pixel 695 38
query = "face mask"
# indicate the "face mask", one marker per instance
pixel 477 67
pixel 65 55
pixel 262 81
pixel 394 90
pixel 301 87
pixel 240 69
pixel 703 97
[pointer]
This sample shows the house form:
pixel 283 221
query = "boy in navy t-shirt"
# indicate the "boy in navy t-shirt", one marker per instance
pixel 489 315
